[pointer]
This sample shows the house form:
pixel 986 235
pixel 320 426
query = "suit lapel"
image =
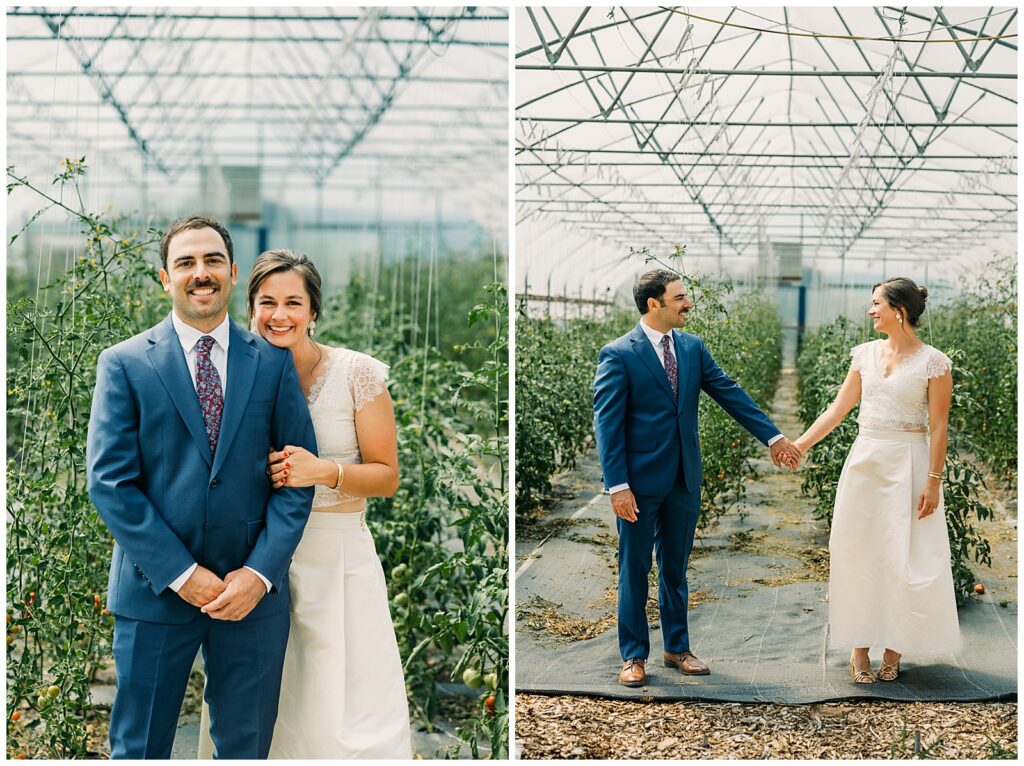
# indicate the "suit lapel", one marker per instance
pixel 168 360
pixel 643 348
pixel 243 362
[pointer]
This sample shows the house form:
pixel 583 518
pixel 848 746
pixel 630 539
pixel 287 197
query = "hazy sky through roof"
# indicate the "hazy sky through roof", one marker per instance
pixel 653 128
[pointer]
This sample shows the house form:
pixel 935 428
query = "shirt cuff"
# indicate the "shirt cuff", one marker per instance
pixel 265 580
pixel 617 488
pixel 775 439
pixel 182 578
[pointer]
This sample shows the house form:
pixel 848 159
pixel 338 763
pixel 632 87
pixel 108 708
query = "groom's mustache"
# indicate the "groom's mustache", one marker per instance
pixel 201 285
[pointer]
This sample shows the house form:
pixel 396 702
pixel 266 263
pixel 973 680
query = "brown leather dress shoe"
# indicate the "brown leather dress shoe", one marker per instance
pixel 687 663
pixel 633 673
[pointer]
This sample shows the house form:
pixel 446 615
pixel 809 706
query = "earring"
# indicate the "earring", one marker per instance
pixel 312 327
pixel 900 317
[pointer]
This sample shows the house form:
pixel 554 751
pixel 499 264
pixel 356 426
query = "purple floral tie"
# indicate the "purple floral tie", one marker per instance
pixel 211 398
pixel 670 363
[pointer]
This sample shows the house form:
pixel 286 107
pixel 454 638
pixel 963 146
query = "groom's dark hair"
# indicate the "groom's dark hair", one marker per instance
pixel 652 285
pixel 188 222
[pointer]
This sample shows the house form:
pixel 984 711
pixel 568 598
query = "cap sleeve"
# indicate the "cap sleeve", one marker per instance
pixel 858 355
pixel 369 379
pixel 938 364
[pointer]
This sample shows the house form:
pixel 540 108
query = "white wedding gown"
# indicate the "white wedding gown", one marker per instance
pixel 342 690
pixel 891 582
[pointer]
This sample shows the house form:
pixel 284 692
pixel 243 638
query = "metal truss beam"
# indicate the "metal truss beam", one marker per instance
pixel 770 155
pixel 956 27
pixel 785 209
pixel 763 72
pixel 229 16
pixel 105 90
pixel 257 39
pixel 764 123
pixel 672 185
pixel 546 44
pixel 242 119
pixel 173 74
pixel 817 165
pixel 263 106
pixel 811 234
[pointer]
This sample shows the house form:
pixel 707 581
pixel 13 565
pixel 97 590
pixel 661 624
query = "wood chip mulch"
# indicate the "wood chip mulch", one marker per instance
pixel 584 727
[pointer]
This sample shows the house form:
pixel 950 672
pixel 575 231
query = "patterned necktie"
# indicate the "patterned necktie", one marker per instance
pixel 211 398
pixel 670 363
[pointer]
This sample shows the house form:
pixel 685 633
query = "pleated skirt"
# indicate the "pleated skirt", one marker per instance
pixel 891 582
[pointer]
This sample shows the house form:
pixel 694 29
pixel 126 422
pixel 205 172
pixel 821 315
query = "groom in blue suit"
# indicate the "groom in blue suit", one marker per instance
pixel 183 417
pixel 645 408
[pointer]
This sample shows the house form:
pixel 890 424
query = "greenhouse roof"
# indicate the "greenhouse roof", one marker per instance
pixel 337 98
pixel 854 132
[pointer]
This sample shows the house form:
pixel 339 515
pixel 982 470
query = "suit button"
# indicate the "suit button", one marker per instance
pixel 214 483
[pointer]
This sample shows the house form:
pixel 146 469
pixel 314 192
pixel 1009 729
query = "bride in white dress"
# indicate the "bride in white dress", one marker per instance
pixel 342 690
pixel 891 582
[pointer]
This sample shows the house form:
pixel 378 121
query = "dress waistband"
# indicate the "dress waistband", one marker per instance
pixel 334 520
pixel 894 436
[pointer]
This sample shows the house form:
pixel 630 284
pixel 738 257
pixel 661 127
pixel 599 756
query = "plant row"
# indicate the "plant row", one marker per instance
pixel 442 538
pixel 555 367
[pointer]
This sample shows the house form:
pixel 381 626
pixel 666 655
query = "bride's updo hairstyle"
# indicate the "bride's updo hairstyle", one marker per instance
pixel 275 261
pixel 903 293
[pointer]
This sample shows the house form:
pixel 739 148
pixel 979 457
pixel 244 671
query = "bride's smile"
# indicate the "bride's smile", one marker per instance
pixel 282 310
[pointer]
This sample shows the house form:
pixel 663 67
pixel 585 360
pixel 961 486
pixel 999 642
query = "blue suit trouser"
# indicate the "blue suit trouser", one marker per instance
pixel 243 659
pixel 666 523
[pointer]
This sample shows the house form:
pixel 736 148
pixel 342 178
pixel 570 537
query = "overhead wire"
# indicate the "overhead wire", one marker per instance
pixel 824 36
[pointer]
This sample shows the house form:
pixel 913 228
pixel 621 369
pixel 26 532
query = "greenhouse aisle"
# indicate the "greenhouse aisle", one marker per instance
pixel 758 585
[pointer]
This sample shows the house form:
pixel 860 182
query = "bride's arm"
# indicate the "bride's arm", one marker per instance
pixel 846 400
pixel 376 476
pixel 940 396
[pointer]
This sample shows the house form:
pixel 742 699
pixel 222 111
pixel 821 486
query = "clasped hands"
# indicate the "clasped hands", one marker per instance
pixel 786 453
pixel 229 599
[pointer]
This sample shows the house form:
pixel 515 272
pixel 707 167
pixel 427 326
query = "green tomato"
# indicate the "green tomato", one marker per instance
pixel 491 681
pixel 53 691
pixel 402 600
pixel 471 677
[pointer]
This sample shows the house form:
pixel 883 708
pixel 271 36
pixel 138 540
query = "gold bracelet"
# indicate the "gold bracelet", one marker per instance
pixel 341 476
pixel 932 475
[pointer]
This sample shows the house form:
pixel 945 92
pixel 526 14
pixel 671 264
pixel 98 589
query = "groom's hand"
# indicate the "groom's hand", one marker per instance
pixel 243 592
pixel 202 587
pixel 785 453
pixel 624 505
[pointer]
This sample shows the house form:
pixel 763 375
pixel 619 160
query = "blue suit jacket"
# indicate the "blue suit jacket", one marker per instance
pixel 166 501
pixel 643 431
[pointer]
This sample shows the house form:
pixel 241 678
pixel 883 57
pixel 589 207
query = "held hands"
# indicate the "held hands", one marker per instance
pixel 292 467
pixel 786 453
pixel 624 505
pixel 928 501
pixel 242 593
pixel 202 587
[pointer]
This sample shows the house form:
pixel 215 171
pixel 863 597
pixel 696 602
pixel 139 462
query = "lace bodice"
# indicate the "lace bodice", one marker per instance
pixel 348 382
pixel 898 402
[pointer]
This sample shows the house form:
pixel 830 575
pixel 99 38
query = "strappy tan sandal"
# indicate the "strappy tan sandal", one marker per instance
pixel 861 676
pixel 888 671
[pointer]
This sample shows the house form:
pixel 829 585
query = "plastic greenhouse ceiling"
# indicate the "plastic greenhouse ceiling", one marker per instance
pixel 854 133
pixel 320 99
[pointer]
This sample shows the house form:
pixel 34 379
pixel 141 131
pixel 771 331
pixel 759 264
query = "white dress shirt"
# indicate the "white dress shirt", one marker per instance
pixel 655 336
pixel 188 336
